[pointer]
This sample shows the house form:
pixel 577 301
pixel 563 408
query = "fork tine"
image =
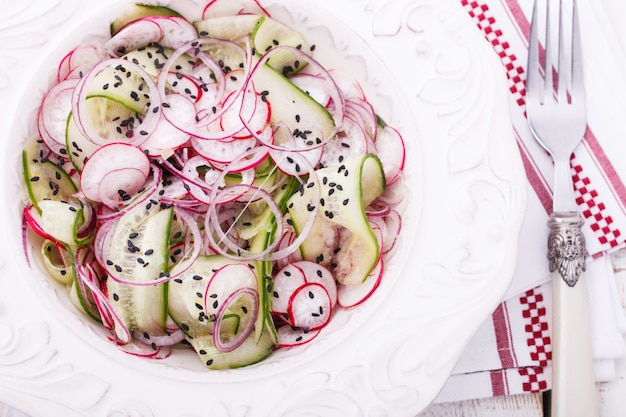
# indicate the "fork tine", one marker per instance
pixel 565 58
pixel 532 76
pixel 548 68
pixel 578 89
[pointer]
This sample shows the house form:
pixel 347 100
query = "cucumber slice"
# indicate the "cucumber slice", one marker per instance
pixel 139 253
pixel 44 179
pixel 266 233
pixel 79 148
pixel 305 119
pixel 120 85
pixel 58 261
pixel 109 119
pixel 138 11
pixel 186 306
pixel 270 33
pixel 229 28
pixel 341 238
pixel 186 295
pixel 266 33
pixel 152 57
pixel 77 298
pixel 251 351
pixel 61 220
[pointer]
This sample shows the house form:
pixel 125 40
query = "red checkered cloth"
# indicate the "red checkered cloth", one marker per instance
pixel 511 353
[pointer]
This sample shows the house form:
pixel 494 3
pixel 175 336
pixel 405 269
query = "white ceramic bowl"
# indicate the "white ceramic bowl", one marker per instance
pixel 431 75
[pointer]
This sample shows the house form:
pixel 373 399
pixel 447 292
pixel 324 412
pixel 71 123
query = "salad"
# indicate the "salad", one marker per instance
pixel 209 184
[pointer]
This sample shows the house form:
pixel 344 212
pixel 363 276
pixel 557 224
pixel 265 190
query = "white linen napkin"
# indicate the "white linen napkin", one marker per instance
pixel 511 353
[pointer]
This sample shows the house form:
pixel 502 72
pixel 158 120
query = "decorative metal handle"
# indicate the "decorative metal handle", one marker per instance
pixel 566 245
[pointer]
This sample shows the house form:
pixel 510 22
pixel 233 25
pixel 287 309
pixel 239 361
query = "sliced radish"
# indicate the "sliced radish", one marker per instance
pixel 389 226
pixel 113 172
pixel 286 282
pixel 310 306
pixel 175 30
pixel 81 59
pixel 254 110
pixel 164 140
pixel 167 31
pixel 226 281
pixel 391 151
pixel 53 115
pixel 222 151
pixel 360 110
pixel 313 85
pixel 350 142
pixel 185 85
pixel 216 8
pixel 349 296
pixel 289 336
pixel 144 350
pixel 316 273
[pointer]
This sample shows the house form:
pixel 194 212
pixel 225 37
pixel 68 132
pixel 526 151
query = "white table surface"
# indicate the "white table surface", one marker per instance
pixel 611 394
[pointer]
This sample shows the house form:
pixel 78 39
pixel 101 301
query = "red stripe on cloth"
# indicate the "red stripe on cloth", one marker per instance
pixel 504 338
pixel 499 382
pixel 538 340
pixel 594 211
pixel 515 11
pixel 608 170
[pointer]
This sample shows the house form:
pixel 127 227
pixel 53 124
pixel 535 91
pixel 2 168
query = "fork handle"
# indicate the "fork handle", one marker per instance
pixel 573 384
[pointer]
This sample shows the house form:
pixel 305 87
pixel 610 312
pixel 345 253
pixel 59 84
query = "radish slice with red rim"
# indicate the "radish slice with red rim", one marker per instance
pixel 168 31
pixel 349 296
pixel 391 150
pixel 290 336
pixel 351 141
pixel 253 109
pixel 286 282
pixel 310 306
pixel 55 109
pixel 316 273
pixel 216 8
pixel 113 172
pixel 81 59
pixel 224 282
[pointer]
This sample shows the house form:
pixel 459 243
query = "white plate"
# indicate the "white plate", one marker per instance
pixel 431 75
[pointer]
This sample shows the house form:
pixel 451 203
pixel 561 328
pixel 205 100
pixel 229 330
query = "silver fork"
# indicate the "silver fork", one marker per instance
pixel 557 119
